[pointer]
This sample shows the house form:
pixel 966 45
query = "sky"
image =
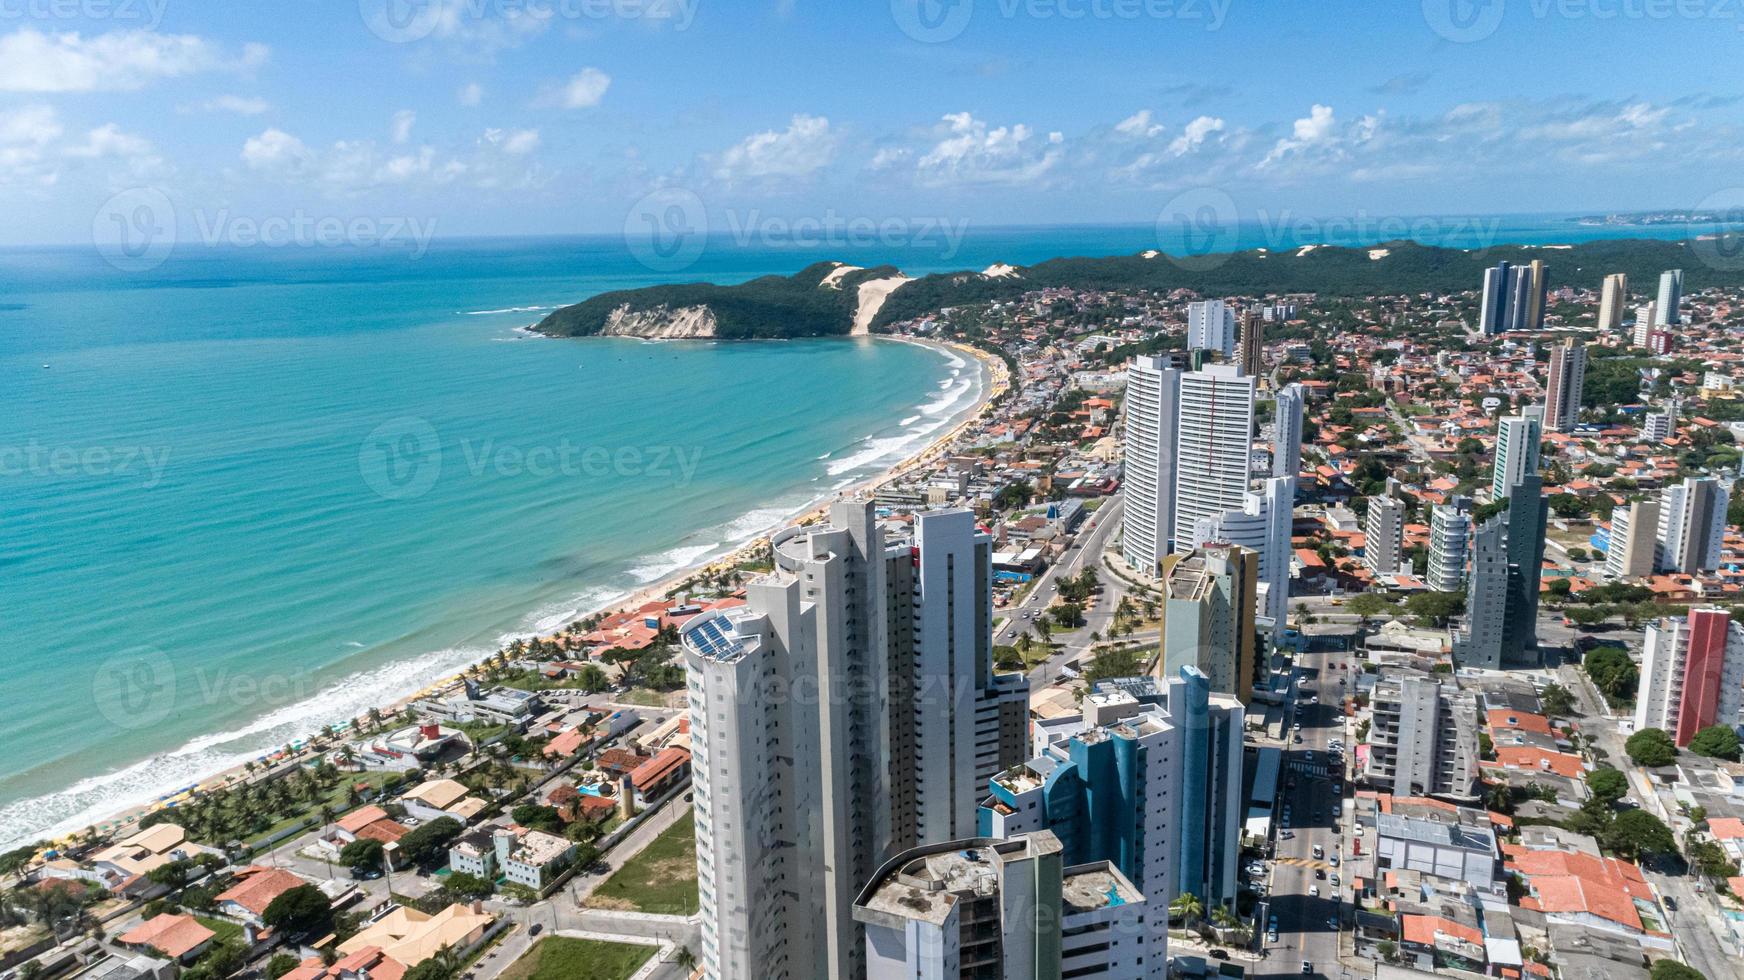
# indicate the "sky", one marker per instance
pixel 508 117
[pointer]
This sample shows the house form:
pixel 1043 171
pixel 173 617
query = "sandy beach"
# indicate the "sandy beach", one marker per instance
pixel 997 382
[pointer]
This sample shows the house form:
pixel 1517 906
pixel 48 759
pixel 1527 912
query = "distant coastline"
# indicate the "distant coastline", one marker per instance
pixel 993 380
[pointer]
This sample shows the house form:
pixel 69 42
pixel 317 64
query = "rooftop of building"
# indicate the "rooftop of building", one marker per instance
pixel 1089 887
pixel 926 883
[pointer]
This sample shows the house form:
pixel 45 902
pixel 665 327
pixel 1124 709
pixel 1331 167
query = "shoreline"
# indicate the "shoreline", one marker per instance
pixel 995 381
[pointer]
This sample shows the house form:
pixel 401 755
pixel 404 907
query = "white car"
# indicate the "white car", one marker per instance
pixel 1313 891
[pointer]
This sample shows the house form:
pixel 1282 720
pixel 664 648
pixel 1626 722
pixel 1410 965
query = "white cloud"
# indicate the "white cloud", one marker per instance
pixel 470 94
pixel 584 91
pixel 1140 125
pixel 515 142
pixel 968 151
pixel 805 147
pixel 240 105
pixel 33 61
pixel 1314 128
pixel 25 137
pixel 402 125
pixel 277 151
pixel 109 141
pixel 1195 135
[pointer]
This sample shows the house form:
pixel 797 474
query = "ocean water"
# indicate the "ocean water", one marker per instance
pixel 253 491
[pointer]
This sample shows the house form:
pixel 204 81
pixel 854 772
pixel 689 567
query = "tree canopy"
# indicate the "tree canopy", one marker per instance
pixel 1651 747
pixel 1716 742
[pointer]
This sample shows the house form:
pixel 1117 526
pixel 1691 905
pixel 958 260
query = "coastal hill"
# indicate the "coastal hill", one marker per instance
pixel 832 299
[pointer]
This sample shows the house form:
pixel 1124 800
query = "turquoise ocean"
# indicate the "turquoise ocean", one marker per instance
pixel 253 491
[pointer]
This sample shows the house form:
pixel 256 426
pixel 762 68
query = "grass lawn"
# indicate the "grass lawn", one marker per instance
pixel 300 811
pixel 223 927
pixel 647 698
pixel 562 958
pixel 661 880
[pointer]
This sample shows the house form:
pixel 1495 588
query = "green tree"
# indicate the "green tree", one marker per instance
pixel 538 817
pixel 279 965
pixel 1608 784
pixel 1371 604
pixel 1613 673
pixel 1673 970
pixel 1436 608
pixel 427 844
pixel 1637 833
pixel 1557 701
pixel 301 910
pixel 467 887
pixel 1716 742
pixel 1113 663
pixel 1651 747
pixel 1187 908
pixel 362 854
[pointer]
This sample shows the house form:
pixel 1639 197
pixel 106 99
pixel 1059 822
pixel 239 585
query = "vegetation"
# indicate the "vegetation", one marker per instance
pixel 427 846
pixel 1608 784
pixel 1651 747
pixel 562 958
pixel 1639 834
pixel 1673 970
pixel 1716 742
pixel 1613 673
pixel 302 910
pixel 661 880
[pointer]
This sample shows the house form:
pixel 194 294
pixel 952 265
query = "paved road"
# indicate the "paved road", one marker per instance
pixel 1307 924
pixel 1092 538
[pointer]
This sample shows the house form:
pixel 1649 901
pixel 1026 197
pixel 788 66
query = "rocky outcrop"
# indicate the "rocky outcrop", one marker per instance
pixel 661 323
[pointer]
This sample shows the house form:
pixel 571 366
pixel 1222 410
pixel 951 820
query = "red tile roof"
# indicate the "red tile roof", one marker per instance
pixel 174 936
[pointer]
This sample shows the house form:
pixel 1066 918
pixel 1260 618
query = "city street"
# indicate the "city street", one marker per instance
pixel 1303 901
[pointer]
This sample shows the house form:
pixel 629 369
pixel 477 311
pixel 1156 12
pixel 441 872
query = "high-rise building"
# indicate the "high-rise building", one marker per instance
pixel 1208 618
pixel 1536 287
pixel 1423 737
pixel 1287 432
pixel 1263 525
pixel 1494 302
pixel 1153 395
pixel 1517 439
pixel 1153 783
pixel 1450 528
pixel 1612 299
pixel 1692 675
pixel 1253 332
pixel 1642 331
pixel 798 798
pixel 1507 559
pixel 1213 446
pixel 1563 389
pixel 1667 310
pixel 1659 427
pixel 988 909
pixel 1634 540
pixel 1384 535
pixel 1692 525
pixel 1211 326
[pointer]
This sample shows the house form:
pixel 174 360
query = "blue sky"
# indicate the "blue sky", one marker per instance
pixel 559 116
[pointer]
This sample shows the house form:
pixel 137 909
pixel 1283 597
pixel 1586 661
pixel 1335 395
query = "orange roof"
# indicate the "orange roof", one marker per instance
pixel 566 744
pixel 1422 929
pixel 1611 872
pixel 1576 895
pixel 1536 759
pixel 1726 828
pixel 659 768
pixel 256 887
pixel 360 818
pixel 174 936
pixel 1523 721
pixel 386 831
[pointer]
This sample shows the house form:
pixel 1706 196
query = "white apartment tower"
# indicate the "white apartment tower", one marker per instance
pixel 1634 540
pixel 1262 525
pixel 848 710
pixel 1692 525
pixel 1562 391
pixel 1666 310
pixel 1644 316
pixel 1213 444
pixel 1450 529
pixel 1287 432
pixel 1211 326
pixel 1612 299
pixel 1384 535
pixel 1517 438
pixel 1153 393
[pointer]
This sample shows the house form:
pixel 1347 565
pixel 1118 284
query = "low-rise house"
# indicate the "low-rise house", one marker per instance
pixel 368 823
pixel 654 778
pixel 409 937
pixel 474 854
pixel 532 858
pixel 179 937
pixel 254 890
pixel 437 798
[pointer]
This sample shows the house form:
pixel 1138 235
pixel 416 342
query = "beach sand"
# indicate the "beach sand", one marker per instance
pixel 998 381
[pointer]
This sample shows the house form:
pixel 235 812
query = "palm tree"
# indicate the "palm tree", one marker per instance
pixel 685 959
pixel 1187 908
